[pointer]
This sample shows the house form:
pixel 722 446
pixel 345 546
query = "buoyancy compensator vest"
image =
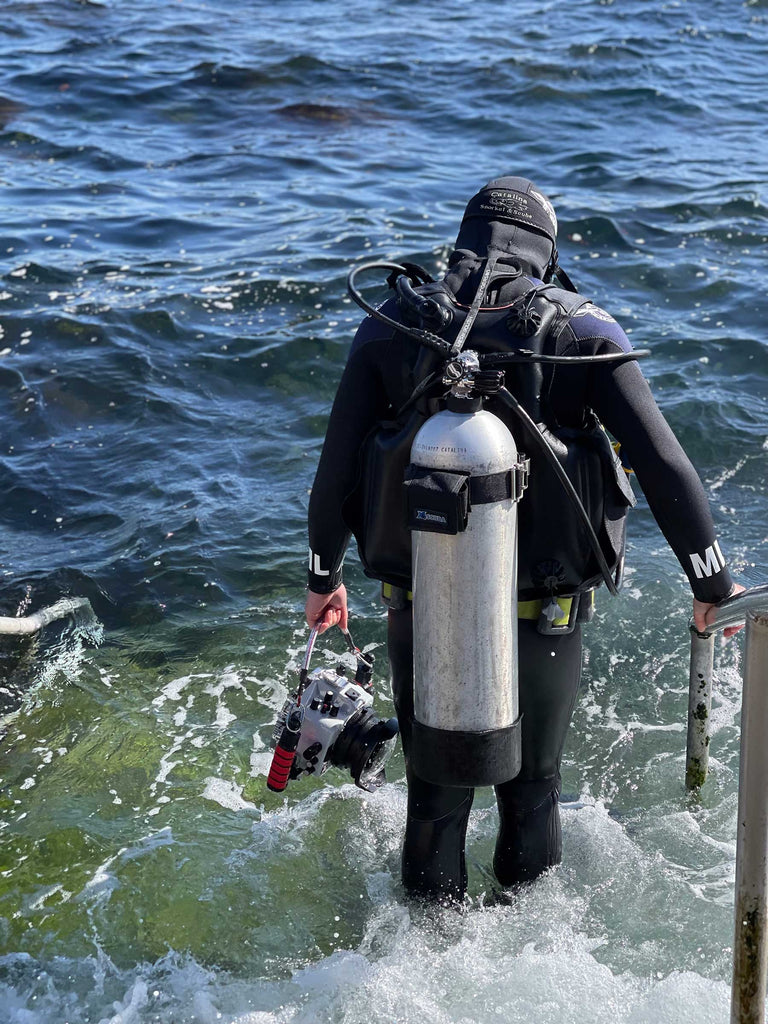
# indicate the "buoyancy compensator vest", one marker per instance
pixel 556 557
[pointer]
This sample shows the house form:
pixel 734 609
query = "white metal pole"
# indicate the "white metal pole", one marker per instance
pixel 750 953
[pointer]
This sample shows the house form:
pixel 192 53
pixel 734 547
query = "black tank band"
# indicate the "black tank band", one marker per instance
pixel 509 483
pixel 457 758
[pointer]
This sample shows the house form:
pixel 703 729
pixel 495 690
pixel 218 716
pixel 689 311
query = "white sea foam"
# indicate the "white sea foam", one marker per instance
pixel 441 967
pixel 174 689
pixel 227 794
pixel 594 940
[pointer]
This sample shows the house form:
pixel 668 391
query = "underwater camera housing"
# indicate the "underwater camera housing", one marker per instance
pixel 330 721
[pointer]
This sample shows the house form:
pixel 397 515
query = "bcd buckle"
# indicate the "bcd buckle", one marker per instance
pixel 558 615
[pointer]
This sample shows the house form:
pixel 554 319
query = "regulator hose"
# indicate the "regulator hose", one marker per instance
pixel 512 403
pixel 525 355
pixel 437 343
pixel 423 337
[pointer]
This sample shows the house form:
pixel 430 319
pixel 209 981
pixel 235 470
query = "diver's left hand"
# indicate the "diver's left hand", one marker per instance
pixel 705 614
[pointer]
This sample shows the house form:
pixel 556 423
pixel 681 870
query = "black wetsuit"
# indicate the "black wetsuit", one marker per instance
pixel 377 380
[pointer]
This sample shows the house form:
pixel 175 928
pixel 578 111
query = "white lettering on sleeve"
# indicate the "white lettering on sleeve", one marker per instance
pixel 711 562
pixel 314 565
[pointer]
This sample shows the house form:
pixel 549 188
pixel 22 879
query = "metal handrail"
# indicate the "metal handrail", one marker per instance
pixel 730 612
pixel 750 945
pixel 27 624
pixel 734 610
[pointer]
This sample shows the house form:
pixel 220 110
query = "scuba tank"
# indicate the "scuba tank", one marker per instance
pixel 462 489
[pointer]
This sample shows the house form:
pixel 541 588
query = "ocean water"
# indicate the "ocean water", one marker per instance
pixel 183 187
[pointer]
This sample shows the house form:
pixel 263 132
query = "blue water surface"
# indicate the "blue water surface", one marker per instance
pixel 183 189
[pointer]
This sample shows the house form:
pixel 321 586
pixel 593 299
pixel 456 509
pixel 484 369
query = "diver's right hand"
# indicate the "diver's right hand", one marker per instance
pixel 705 615
pixel 327 609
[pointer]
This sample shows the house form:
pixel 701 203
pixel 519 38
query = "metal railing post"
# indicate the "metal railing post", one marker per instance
pixel 731 612
pixel 750 949
pixel 750 953
pixel 699 707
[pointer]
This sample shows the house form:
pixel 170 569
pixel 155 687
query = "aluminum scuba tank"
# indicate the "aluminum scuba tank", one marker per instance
pixel 462 487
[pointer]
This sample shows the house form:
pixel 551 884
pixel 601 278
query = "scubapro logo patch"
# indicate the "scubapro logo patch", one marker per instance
pixel 424 515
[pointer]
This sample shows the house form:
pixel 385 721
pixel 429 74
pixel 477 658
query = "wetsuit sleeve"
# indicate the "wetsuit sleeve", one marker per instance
pixel 359 404
pixel 622 399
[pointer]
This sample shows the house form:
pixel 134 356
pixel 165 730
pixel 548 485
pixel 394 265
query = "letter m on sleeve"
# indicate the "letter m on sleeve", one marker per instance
pixel 709 563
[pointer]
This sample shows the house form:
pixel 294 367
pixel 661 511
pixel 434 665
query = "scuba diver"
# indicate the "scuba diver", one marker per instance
pixel 571 368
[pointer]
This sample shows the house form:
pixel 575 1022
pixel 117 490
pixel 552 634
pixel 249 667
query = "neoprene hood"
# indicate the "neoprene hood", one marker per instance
pixel 513 215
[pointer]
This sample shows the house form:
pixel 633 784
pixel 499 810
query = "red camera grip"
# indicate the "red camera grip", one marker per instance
pixel 282 761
